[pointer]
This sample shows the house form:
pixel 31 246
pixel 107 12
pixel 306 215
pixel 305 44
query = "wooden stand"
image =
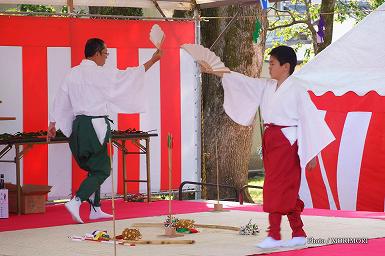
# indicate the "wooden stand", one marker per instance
pixel 170 231
pixel 218 207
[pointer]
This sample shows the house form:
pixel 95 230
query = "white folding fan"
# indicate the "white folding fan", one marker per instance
pixel 156 36
pixel 206 58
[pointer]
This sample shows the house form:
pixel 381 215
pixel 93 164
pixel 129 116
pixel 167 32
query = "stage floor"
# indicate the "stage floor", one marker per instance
pixel 54 240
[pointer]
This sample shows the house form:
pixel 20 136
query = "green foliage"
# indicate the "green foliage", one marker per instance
pixel 351 9
pixel 256 194
pixel 64 9
pixel 376 3
pixel 355 9
pixel 36 8
pixel 299 33
pixel 292 26
pixel 122 11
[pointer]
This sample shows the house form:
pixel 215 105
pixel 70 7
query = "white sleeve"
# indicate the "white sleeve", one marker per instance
pixel 62 112
pixel 242 96
pixel 313 132
pixel 129 93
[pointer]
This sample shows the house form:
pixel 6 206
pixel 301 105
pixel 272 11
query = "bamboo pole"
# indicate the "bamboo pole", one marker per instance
pixel 218 207
pixel 170 231
pixel 216 156
pixel 113 198
pixel 159 242
pixel 210 226
pixel 135 242
pixel 169 146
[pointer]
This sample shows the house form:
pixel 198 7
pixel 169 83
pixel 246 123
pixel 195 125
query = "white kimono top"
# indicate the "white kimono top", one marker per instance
pixel 93 90
pixel 289 105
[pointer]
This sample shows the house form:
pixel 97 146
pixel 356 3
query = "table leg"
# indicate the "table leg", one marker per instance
pixel 148 170
pixel 17 161
pixel 124 171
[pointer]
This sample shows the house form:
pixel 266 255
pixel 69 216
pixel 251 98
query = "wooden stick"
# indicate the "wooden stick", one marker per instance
pixel 132 242
pixel 159 242
pixel 113 199
pixel 136 225
pixel 217 227
pixel 216 156
pixel 169 146
pixel 70 6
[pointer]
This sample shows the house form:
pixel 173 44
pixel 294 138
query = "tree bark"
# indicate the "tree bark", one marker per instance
pixel 238 52
pixel 327 12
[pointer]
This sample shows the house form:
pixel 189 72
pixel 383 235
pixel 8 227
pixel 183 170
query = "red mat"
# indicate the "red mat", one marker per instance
pixel 57 215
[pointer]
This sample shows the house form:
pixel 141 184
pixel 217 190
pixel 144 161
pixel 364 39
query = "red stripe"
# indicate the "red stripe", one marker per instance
pixel 117 34
pixel 78 174
pixel 170 100
pixel 317 188
pixel 35 112
pixel 128 57
pixel 170 116
pixel 34 31
pixel 350 102
pixel 336 121
pixel 75 32
pixel 371 188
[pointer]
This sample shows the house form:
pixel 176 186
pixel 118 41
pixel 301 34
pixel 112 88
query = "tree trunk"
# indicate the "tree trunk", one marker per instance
pixel 238 52
pixel 327 10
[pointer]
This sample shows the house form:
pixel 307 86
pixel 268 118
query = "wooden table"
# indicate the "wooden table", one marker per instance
pixel 119 141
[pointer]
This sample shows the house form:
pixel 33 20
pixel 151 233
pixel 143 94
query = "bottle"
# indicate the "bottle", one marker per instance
pixel 2 181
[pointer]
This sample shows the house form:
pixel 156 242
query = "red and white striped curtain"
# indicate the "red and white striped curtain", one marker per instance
pixel 35 55
pixel 350 174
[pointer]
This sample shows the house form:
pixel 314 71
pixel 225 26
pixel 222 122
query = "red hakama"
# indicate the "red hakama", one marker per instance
pixel 282 181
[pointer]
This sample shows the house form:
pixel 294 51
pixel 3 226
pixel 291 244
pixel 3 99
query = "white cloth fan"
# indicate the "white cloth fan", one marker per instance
pixel 210 62
pixel 157 36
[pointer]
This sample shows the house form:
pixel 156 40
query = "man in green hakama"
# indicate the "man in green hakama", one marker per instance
pixel 88 93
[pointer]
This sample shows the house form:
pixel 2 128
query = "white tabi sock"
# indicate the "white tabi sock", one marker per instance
pixel 97 213
pixel 269 243
pixel 73 206
pixel 295 241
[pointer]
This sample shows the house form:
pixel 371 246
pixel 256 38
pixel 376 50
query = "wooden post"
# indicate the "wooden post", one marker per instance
pixel 169 146
pixel 112 198
pixel 218 206
pixel 170 231
pixel 70 6
pixel 148 170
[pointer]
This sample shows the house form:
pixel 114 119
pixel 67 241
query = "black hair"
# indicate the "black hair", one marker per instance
pixel 93 46
pixel 285 54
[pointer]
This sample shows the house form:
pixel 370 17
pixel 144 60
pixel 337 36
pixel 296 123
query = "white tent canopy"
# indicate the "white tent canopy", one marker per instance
pixel 355 62
pixel 167 4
